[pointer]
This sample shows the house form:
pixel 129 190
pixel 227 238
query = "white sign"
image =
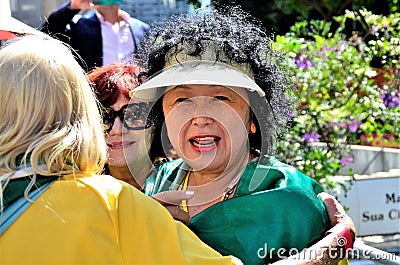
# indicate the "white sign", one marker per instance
pixel 374 205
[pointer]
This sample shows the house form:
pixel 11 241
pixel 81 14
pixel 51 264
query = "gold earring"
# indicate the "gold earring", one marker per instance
pixel 253 128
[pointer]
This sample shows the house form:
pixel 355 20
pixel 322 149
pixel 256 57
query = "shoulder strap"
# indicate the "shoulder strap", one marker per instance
pixel 13 211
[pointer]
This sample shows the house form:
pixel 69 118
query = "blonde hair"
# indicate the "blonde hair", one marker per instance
pixel 51 115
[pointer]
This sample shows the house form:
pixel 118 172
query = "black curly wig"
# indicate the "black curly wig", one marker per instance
pixel 242 39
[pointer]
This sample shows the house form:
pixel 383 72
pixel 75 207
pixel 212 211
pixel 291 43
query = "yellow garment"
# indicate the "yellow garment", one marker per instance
pixel 100 220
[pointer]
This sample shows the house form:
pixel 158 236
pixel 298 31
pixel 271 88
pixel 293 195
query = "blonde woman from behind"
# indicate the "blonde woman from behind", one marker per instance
pixel 55 209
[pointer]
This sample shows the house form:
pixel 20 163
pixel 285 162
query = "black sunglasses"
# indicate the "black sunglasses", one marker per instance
pixel 135 116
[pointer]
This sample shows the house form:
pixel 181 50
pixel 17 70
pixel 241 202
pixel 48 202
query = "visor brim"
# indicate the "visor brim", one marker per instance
pixel 209 73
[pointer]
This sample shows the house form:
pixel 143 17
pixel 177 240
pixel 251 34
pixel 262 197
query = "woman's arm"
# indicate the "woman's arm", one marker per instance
pixel 332 248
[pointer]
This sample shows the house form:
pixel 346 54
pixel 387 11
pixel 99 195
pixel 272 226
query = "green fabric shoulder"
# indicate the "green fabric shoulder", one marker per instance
pixel 274 211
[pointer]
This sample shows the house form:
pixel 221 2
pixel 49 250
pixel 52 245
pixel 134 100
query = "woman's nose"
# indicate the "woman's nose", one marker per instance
pixel 202 120
pixel 202 112
pixel 117 128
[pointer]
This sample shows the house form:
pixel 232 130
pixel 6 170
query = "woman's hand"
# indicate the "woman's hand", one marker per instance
pixel 327 250
pixel 171 201
pixel 336 213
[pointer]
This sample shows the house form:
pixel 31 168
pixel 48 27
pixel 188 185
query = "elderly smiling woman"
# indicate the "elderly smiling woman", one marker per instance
pixel 220 100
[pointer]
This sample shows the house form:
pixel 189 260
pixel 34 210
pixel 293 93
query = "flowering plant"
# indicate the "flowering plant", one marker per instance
pixel 381 43
pixel 338 96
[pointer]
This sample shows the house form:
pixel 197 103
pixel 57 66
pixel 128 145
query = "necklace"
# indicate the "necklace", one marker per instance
pixel 225 195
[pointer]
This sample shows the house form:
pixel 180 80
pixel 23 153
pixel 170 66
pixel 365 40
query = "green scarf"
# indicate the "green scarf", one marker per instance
pixel 16 187
pixel 274 209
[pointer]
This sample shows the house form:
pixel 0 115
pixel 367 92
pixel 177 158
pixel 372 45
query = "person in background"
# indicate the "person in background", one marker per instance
pixel 129 153
pixel 107 35
pixel 55 208
pixel 133 155
pixel 221 99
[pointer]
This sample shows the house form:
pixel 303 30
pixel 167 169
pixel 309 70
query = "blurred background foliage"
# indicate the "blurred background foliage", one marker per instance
pixel 347 83
pixel 280 15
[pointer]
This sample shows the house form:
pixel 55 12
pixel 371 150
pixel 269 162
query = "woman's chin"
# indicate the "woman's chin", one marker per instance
pixel 205 165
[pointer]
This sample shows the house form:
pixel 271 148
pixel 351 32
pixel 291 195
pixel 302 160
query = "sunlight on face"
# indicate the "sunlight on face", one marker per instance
pixel 208 124
pixel 127 147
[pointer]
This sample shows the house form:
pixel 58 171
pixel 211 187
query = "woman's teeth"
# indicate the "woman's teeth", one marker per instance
pixel 204 141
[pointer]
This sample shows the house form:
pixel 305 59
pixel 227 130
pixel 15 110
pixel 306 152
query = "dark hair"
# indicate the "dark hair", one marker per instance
pixel 112 80
pixel 243 39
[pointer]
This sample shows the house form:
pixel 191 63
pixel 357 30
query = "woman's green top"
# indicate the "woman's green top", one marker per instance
pixel 274 212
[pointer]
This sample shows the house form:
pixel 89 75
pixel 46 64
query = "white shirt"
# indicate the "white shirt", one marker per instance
pixel 118 41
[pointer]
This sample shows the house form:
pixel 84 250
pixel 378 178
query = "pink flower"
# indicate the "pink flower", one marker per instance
pixel 312 137
pixel 346 160
pixel 303 62
pixel 353 126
